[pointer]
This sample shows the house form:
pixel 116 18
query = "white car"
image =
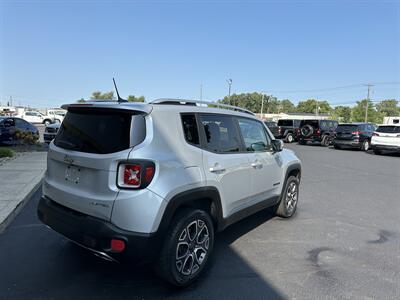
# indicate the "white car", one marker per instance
pixel 386 137
pixel 57 116
pixel 36 118
pixel 155 181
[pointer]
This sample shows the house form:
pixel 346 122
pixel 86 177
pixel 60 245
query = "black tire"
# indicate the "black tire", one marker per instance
pixel 285 208
pixel 47 122
pixel 289 138
pixel 365 145
pixel 178 239
pixel 336 146
pixel 326 141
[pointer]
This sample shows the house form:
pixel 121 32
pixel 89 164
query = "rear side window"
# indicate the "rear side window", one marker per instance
pixel 285 122
pixel 190 129
pixel 221 133
pixel 99 131
pixel 388 129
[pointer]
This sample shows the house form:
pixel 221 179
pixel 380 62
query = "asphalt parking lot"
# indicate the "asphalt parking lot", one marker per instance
pixel 343 242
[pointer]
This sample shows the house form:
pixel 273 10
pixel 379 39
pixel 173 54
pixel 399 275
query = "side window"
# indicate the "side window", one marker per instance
pixel 21 124
pixel 190 129
pixel 28 113
pixel 9 123
pixel 221 134
pixel 254 135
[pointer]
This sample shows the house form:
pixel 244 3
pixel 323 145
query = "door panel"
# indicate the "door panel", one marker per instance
pixel 266 168
pixel 225 167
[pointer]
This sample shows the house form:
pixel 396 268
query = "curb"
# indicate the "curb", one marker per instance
pixel 20 206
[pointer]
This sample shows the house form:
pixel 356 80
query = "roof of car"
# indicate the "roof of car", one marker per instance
pixel 165 105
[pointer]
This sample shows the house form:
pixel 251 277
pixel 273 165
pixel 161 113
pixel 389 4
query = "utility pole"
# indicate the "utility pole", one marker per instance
pixel 366 106
pixel 201 92
pixel 316 108
pixel 262 105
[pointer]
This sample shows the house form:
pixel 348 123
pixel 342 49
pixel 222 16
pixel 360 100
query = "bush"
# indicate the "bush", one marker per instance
pixel 5 152
pixel 26 137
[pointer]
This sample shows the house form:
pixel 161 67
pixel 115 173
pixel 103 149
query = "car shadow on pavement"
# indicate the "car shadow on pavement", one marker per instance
pixel 40 263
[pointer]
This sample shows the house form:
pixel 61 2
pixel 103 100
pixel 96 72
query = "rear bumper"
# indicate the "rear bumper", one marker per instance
pixel 96 234
pixel 347 143
pixel 385 147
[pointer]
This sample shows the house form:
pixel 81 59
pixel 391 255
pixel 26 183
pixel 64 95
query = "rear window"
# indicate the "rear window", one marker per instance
pixel 285 122
pixel 389 129
pixel 346 128
pixel 313 123
pixel 99 131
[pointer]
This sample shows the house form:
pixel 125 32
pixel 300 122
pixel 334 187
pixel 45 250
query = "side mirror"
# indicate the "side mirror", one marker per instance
pixel 277 145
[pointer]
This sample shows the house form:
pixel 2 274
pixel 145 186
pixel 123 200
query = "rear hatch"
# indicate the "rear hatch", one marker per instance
pixel 82 163
pixel 388 135
pixel 347 131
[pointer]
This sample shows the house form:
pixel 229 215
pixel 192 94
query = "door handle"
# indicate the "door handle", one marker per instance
pixel 217 169
pixel 256 165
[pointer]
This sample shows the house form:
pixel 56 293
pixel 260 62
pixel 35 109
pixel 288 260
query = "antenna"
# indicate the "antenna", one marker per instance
pixel 116 89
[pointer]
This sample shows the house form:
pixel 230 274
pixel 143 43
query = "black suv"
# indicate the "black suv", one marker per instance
pixel 321 131
pixel 354 135
pixel 286 130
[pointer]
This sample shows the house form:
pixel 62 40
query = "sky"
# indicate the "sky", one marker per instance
pixel 55 52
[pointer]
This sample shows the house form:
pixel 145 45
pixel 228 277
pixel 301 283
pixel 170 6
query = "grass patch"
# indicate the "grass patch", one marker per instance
pixel 5 152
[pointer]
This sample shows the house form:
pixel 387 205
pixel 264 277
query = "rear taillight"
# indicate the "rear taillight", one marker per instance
pixel 375 134
pixel 356 132
pixel 135 175
pixel 279 129
pixel 318 132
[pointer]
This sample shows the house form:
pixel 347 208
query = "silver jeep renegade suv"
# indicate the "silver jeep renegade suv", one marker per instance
pixel 155 181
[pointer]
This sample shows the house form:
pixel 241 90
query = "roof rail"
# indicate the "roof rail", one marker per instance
pixel 195 102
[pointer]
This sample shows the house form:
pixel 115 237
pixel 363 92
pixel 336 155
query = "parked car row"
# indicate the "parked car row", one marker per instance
pixel 52 116
pixel 363 136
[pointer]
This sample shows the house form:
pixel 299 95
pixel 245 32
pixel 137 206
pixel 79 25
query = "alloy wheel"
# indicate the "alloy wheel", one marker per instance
pixel 192 247
pixel 291 197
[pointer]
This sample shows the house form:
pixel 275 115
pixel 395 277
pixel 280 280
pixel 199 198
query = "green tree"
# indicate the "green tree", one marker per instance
pixel 287 106
pixel 342 114
pixel 388 107
pixel 132 98
pixel 97 95
pixel 358 112
pixel 310 106
pixel 81 100
pixel 252 102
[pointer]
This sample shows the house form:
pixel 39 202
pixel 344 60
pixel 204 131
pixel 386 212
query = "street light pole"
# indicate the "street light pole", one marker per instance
pixel 229 89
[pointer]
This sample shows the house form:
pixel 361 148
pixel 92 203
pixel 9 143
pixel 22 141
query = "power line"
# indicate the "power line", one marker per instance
pixel 333 88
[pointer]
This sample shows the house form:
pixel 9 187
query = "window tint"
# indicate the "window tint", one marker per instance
pixel 99 131
pixel 346 128
pixel 190 129
pixel 21 124
pixel 220 133
pixel 388 129
pixel 285 122
pixel 9 123
pixel 254 135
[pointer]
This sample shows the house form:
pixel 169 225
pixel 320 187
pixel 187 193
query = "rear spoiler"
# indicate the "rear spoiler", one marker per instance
pixel 129 106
